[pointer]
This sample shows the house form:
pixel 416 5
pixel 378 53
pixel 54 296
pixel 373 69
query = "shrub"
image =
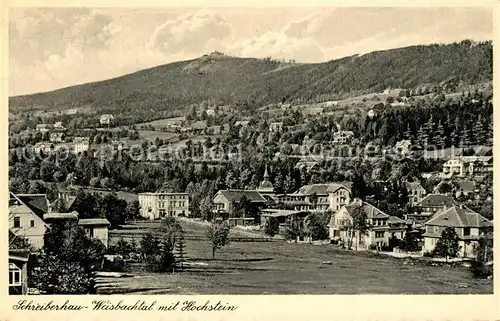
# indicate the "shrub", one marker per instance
pixel 480 270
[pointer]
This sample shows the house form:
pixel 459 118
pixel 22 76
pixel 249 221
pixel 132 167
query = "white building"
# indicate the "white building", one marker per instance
pixel 81 144
pixel 158 205
pixel 469 226
pixel 342 137
pixel 106 119
pixel 96 228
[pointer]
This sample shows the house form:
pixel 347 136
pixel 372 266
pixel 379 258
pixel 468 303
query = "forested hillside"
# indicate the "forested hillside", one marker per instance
pixel 252 82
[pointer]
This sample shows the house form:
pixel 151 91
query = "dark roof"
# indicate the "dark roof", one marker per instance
pixel 322 189
pixel 484 151
pixel 38 203
pixel 413 185
pixel 370 210
pixel 93 221
pixel 434 200
pixel 236 194
pixel 19 255
pixel 465 186
pixel 68 200
pixel 457 216
pixel 395 220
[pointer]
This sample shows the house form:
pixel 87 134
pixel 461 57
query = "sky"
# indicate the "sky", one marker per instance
pixel 51 48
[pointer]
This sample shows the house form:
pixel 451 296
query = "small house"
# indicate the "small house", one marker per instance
pixel 96 228
pixel 106 119
pixel 468 225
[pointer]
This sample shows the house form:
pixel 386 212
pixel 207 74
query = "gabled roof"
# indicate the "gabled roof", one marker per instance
pixel 84 140
pixel 370 210
pixel 56 134
pixel 395 220
pixel 403 143
pixel 484 151
pixel 413 185
pixel 241 123
pixel 322 189
pixel 201 124
pixel 465 186
pixel 434 200
pixel 307 165
pixel 457 216
pixel 236 194
pixel 37 203
pixel 336 186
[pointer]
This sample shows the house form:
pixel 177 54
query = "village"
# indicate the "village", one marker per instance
pixel 324 189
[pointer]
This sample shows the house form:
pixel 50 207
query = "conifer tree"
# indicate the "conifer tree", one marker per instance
pixel 180 251
pixel 408 134
pixel 465 137
pixel 479 135
pixel 422 136
pixel 439 138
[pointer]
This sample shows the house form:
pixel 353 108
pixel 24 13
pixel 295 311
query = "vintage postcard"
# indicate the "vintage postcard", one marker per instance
pixel 249 161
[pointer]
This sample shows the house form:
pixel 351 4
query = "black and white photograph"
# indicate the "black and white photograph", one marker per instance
pixel 250 150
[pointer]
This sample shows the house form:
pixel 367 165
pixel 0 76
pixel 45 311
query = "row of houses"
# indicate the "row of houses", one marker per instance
pixel 57 127
pixel 78 145
pixel 337 199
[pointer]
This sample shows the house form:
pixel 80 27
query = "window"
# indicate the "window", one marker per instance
pixel 90 231
pixel 32 223
pixel 379 234
pixel 466 231
pixel 14 275
pixel 17 221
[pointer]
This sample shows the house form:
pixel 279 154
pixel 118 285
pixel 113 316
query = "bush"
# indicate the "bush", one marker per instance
pixel 480 270
pixel 117 265
pixel 428 254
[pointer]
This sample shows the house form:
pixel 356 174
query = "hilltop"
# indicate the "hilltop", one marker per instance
pixel 252 82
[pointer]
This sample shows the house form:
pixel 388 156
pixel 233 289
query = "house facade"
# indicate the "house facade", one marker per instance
pixel 81 144
pixel 378 232
pixel 416 193
pixel 342 137
pixel 96 228
pixel 318 197
pixel 26 213
pixel 276 127
pixel 468 165
pixel 56 137
pixel 224 200
pixel 106 119
pixel 403 147
pixel 158 205
pixel 468 225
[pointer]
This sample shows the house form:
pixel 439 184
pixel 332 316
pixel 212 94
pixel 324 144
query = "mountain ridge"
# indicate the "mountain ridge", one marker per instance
pixel 253 81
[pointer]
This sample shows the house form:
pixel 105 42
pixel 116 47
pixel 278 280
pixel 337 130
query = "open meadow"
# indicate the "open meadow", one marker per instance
pixel 279 267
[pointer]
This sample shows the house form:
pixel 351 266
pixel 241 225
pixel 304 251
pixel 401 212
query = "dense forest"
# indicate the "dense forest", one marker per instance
pixel 249 83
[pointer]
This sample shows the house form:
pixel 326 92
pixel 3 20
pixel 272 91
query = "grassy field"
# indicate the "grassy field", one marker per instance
pixel 152 135
pixel 284 268
pixel 160 123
